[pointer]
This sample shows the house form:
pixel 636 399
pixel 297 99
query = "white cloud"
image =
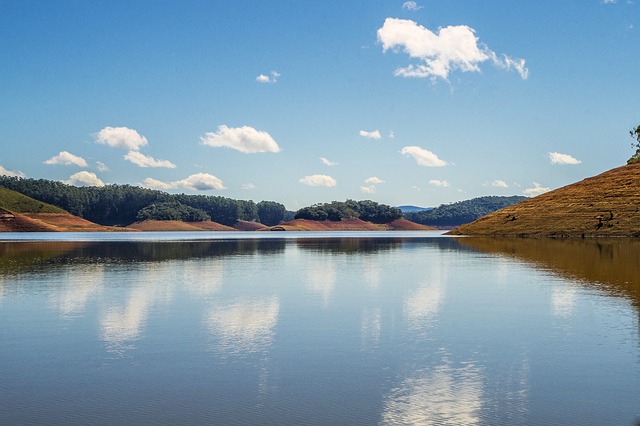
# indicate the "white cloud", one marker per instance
pixel 66 159
pixel 272 78
pixel 440 183
pixel 536 190
pixel 142 160
pixel 370 135
pixel 373 179
pixel 392 135
pixel 121 137
pixel 499 184
pixel 609 1
pixel 84 178
pixel 101 166
pixel 244 139
pixel 423 157
pixel 5 172
pixel 411 5
pixel 452 48
pixel 318 180
pixel 157 184
pixel 558 158
pixel 201 182
pixel 248 186
pixel 197 182
pixel 328 162
pixel 369 189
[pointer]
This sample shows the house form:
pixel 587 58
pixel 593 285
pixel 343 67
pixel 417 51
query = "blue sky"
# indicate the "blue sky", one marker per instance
pixel 422 103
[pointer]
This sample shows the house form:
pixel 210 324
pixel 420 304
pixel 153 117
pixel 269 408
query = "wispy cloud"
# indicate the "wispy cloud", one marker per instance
pixel 271 78
pixel 369 189
pixel 327 162
pixel 196 182
pixel 318 180
pixel 558 158
pixel 423 157
pixel 248 186
pixel 121 137
pixel 66 159
pixel 439 183
pixel 244 139
pixel 499 184
pixel 452 48
pixel 5 172
pixel 142 160
pixel 411 5
pixel 370 135
pixel 536 190
pixel 84 178
pixel 101 166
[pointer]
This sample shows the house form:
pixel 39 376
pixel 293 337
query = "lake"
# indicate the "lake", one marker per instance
pixel 320 329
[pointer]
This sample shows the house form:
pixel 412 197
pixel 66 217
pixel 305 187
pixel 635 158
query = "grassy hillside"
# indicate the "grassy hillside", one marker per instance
pixel 603 205
pixel 18 203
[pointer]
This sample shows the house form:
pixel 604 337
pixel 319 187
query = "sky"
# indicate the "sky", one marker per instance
pixel 420 103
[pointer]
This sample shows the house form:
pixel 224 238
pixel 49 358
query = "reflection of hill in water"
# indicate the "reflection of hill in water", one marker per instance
pixel 14 256
pixel 613 264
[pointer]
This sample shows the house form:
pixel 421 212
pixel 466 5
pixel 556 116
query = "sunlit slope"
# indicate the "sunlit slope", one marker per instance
pixel 17 203
pixel 604 205
pixel 19 213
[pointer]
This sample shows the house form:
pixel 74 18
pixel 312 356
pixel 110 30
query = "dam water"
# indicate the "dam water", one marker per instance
pixel 309 328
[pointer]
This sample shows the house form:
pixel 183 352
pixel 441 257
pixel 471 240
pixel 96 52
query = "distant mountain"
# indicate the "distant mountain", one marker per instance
pixel 413 209
pixel 456 214
pixel 603 205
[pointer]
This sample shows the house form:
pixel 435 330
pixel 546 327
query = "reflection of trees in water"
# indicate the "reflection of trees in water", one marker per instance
pixel 18 256
pixel 373 245
pixel 613 264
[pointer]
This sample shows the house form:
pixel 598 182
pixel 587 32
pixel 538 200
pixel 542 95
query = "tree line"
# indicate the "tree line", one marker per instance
pixel 125 204
pixel 366 210
pixel 456 214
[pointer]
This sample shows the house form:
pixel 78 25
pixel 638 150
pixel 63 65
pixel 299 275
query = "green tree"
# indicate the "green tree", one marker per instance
pixel 635 134
pixel 271 213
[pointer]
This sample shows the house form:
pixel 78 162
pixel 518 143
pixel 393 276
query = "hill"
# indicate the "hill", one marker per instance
pixel 18 203
pixel 603 205
pixel 413 209
pixel 461 212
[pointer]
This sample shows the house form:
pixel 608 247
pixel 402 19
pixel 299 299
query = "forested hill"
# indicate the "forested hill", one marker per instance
pixel 125 204
pixel 456 214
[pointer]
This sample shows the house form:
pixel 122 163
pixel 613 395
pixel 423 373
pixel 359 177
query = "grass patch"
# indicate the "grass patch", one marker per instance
pixel 15 202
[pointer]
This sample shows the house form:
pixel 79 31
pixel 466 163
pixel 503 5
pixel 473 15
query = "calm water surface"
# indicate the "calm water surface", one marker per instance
pixel 357 329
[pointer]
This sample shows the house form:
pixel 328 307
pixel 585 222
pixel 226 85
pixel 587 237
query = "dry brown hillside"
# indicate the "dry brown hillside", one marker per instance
pixel 603 205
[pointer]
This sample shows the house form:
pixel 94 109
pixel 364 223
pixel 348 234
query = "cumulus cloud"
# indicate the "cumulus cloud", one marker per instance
pixel 318 180
pixel 558 158
pixel 328 162
pixel 121 137
pixel 5 172
pixel 157 184
pixel 244 139
pixel 369 189
pixel 142 160
pixel 370 135
pixel 84 178
pixel 440 183
pixel 271 78
pixel 499 184
pixel 452 48
pixel 423 157
pixel 411 5
pixel 536 190
pixel 66 159
pixel 373 179
pixel 197 182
